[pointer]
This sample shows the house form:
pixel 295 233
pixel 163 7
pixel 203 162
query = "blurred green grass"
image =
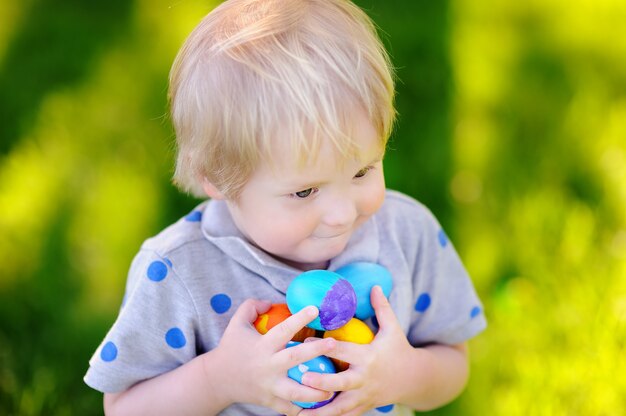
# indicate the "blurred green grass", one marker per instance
pixel 512 129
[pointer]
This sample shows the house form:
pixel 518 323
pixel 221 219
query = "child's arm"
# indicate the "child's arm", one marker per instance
pixel 390 371
pixel 246 367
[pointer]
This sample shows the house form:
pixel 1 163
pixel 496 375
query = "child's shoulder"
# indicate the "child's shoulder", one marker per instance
pixel 399 207
pixel 186 231
pixel 403 218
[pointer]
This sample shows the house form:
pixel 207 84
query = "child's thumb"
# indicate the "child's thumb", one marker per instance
pixel 249 310
pixel 384 314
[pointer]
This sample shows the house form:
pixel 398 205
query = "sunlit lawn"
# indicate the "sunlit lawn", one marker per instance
pixel 512 129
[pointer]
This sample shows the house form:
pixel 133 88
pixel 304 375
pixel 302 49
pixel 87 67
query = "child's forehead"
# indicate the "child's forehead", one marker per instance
pixel 326 155
pixel 286 171
pixel 359 144
pixel 347 133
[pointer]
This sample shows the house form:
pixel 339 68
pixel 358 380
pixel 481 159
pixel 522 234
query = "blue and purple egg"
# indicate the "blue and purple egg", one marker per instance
pixel 321 364
pixel 363 276
pixel 329 292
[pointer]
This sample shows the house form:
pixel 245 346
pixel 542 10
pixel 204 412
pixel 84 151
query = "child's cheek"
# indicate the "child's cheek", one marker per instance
pixel 374 200
pixel 287 231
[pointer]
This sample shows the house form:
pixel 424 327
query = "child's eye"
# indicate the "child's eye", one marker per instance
pixel 363 172
pixel 305 193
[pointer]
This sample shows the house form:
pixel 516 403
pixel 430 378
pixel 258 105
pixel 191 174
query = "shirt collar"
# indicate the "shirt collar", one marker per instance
pixel 219 228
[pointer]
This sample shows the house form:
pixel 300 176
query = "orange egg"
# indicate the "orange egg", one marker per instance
pixel 354 331
pixel 277 313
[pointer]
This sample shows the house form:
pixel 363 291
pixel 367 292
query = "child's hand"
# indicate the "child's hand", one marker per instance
pixel 253 367
pixel 374 368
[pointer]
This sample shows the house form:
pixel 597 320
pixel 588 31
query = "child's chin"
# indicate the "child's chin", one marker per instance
pixel 319 257
pixel 325 258
pixel 336 250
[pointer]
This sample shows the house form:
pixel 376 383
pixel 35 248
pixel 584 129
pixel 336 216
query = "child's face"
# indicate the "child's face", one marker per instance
pixel 305 216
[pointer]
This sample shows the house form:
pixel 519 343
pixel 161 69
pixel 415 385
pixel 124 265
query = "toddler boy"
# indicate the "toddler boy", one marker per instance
pixel 282 111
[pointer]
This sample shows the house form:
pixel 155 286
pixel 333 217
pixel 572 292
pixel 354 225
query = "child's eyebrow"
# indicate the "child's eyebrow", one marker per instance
pixel 289 186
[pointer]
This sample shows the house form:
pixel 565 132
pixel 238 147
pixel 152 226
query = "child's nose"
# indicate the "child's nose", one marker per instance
pixel 341 212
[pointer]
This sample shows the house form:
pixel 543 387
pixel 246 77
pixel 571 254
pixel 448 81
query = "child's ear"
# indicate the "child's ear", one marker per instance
pixel 211 190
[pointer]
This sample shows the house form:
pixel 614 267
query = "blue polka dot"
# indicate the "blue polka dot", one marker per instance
pixel 475 312
pixel 385 409
pixel 108 352
pixel 175 338
pixel 168 262
pixel 443 238
pixel 221 303
pixel 157 271
pixel 423 302
pixel 194 216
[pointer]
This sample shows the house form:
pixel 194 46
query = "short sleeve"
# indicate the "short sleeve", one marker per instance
pixel 154 332
pixel 446 307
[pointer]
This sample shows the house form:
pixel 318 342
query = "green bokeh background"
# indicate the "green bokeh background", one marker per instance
pixel 512 129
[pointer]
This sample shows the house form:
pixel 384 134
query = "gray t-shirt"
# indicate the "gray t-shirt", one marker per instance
pixel 185 284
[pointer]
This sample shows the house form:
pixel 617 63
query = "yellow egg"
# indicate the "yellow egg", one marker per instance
pixel 354 331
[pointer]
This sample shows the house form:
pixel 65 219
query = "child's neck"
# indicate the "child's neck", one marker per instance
pixel 307 266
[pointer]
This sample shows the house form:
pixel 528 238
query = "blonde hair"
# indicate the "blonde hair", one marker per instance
pixel 261 75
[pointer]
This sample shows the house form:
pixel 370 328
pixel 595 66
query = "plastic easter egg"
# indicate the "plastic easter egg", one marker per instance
pixel 354 331
pixel 333 296
pixel 277 313
pixel 321 364
pixel 363 276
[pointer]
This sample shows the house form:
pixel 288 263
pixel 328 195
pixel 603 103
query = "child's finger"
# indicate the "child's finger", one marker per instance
pixel 356 411
pixel 349 352
pixel 345 404
pixel 285 331
pixel 293 391
pixel 249 310
pixel 384 314
pixel 284 407
pixel 298 354
pixel 344 381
